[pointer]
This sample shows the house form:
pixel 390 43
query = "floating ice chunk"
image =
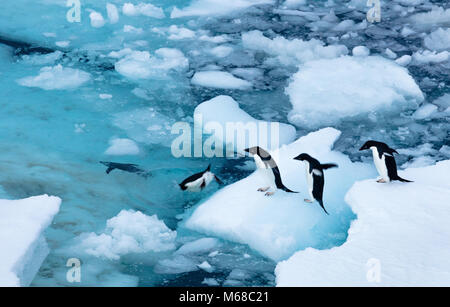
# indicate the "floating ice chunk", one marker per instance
pixel 445 150
pixel 438 40
pixel 200 246
pixel 223 110
pixel 443 102
pixel 122 147
pixel 410 2
pixel 221 51
pixel 219 39
pixel 291 52
pixel 404 60
pixel 219 79
pixel 145 9
pixel 293 4
pixel 141 65
pixel 278 226
pixel 419 162
pixel 398 227
pixel 345 26
pixel 129 232
pixel 354 86
pixel 56 78
pixel 425 111
pixel 390 54
pixel 63 44
pixel 22 224
pixel 42 59
pixel 406 31
pixel 212 282
pixel 131 29
pixel 105 96
pixel 178 33
pixel 97 20
pixel 176 265
pixel 436 16
pixel 427 56
pixel 361 51
pixel 113 13
pixel 205 266
pixel 421 150
pixel 248 73
pixel 214 7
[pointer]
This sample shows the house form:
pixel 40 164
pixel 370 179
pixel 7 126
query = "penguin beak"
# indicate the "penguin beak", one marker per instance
pixel 362 148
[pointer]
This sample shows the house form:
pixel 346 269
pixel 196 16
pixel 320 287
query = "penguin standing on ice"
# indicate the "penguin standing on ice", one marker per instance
pixel 315 177
pixel 268 168
pixel 383 157
pixel 199 181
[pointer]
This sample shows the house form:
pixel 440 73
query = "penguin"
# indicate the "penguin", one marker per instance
pixel 199 181
pixel 130 168
pixel 315 177
pixel 268 168
pixel 383 157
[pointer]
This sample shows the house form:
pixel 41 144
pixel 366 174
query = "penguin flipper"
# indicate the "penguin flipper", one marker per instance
pixel 329 165
pixel 323 207
pixel 109 170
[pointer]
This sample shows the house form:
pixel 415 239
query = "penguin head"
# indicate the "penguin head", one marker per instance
pixel 367 145
pixel 303 157
pixel 258 151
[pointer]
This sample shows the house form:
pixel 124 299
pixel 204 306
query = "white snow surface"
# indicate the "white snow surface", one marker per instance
pixel 280 225
pixel 214 7
pixel 401 232
pixel 323 92
pixel 22 223
pixel 216 113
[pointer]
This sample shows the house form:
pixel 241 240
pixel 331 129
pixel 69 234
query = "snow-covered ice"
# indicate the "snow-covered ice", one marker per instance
pixel 219 79
pixel 56 78
pixel 130 232
pixel 214 115
pixel 280 225
pixel 400 237
pixel 325 91
pixel 24 248
pixel 438 40
pixel 214 7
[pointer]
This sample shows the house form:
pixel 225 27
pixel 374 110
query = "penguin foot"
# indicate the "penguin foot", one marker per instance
pixel 263 189
pixel 270 193
pixel 308 201
pixel 381 181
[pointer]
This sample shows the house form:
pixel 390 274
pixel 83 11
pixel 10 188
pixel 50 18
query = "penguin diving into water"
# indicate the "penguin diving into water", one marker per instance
pixel 199 181
pixel 130 168
pixel 268 168
pixel 383 157
pixel 315 177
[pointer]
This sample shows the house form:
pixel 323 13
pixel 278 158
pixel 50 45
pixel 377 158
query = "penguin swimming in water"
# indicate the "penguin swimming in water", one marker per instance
pixel 315 177
pixel 269 169
pixel 383 157
pixel 130 168
pixel 199 181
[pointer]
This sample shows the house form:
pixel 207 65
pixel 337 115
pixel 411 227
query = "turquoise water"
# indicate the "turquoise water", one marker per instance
pixel 53 140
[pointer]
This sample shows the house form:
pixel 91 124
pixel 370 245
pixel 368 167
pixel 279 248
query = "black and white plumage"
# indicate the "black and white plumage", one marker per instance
pixel 269 170
pixel 126 167
pixel 199 181
pixel 315 177
pixel 383 157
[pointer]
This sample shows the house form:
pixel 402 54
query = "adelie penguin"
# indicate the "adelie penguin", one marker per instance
pixel 315 177
pixel 126 167
pixel 383 157
pixel 268 168
pixel 199 181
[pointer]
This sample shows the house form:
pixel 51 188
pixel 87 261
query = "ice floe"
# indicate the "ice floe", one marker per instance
pixel 130 232
pixel 56 78
pixel 280 225
pixel 214 7
pixel 24 248
pixel 400 237
pixel 354 86
pixel 214 115
pixel 219 79
pixel 121 147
